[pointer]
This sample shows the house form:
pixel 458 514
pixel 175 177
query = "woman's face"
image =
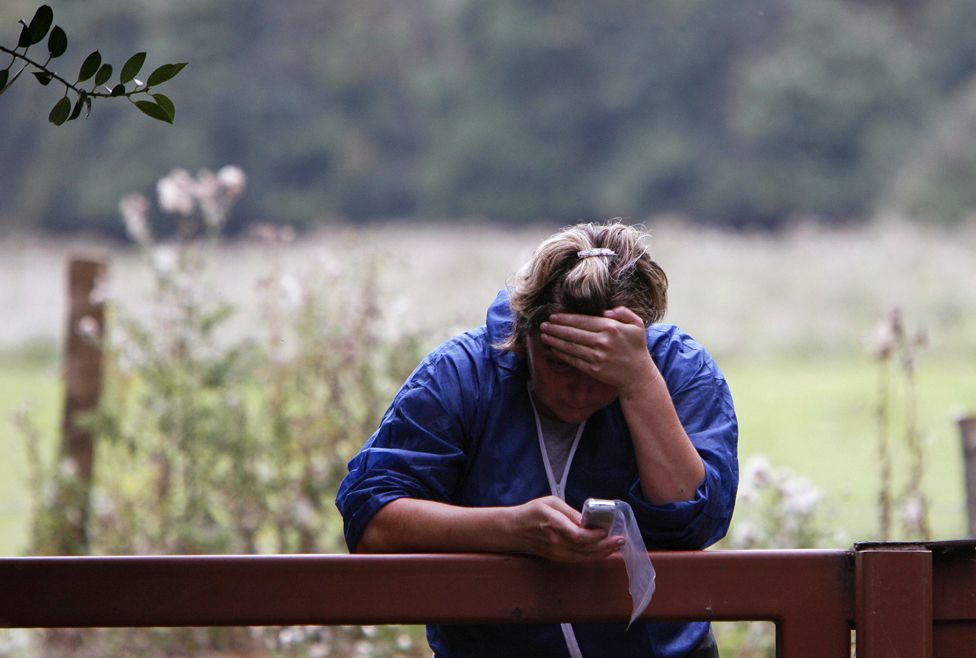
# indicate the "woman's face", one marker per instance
pixel 560 391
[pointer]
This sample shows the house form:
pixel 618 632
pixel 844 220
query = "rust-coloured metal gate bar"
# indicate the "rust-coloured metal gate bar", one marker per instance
pixel 890 594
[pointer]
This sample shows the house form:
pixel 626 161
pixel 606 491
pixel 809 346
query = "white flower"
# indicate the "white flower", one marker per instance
pixel 800 497
pixel 68 467
pixel 881 343
pixel 291 635
pixel 291 287
pixel 209 196
pixel 88 327
pixel 232 180
pixel 176 192
pixel 758 472
pixel 100 293
pixel 912 512
pixel 133 209
pixel 102 505
pixel 164 259
pixel 747 492
pixel 745 534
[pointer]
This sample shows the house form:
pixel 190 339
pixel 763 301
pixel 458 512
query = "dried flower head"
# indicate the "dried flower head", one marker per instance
pixel 133 209
pixel 176 192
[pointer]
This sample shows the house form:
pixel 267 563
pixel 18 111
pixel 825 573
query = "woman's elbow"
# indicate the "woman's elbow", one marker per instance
pixel 373 540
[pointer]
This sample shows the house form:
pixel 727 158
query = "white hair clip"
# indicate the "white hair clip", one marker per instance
pixel 586 253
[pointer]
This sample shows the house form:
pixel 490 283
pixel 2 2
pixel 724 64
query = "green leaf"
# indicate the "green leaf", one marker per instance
pixel 24 40
pixel 164 102
pixel 132 67
pixel 40 24
pixel 164 73
pixel 118 90
pixel 57 43
pixel 156 112
pixel 76 112
pixel 59 113
pixel 44 77
pixel 4 74
pixel 104 73
pixel 90 66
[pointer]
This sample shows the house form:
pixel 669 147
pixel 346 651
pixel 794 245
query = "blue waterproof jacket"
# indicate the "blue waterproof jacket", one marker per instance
pixel 461 431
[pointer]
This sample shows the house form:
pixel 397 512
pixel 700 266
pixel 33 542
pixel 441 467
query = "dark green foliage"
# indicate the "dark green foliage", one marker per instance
pixel 60 111
pixel 89 66
pixel 132 67
pixel 154 110
pixel 104 73
pixel 57 43
pixel 164 73
pixel 93 66
pixel 40 24
pixel 166 105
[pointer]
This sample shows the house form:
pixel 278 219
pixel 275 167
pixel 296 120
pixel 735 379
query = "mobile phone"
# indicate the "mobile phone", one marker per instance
pixel 598 513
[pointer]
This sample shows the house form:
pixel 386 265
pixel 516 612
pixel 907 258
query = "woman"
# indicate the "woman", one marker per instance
pixel 570 390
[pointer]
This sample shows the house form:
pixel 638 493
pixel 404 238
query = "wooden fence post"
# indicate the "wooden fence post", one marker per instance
pixel 82 386
pixel 893 601
pixel 967 431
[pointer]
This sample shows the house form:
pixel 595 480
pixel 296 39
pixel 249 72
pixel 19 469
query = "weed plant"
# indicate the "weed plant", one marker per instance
pixel 206 444
pixel 895 351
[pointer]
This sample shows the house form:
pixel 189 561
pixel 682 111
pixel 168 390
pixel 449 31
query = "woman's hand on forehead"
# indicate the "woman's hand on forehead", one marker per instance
pixel 611 348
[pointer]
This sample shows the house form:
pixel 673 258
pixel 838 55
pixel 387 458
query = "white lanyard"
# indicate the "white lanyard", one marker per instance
pixel 558 488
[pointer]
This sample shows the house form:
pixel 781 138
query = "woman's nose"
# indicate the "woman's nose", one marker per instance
pixel 581 386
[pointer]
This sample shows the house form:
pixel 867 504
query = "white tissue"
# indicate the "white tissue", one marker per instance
pixel 640 571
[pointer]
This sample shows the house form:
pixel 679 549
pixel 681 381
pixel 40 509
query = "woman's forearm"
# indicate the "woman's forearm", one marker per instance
pixel 412 525
pixel 670 468
pixel 546 527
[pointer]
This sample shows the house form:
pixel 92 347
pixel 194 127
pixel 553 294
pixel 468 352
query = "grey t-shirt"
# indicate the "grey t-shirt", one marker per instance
pixel 558 437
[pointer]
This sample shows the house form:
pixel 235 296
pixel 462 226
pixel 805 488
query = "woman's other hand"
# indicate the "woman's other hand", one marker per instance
pixel 550 528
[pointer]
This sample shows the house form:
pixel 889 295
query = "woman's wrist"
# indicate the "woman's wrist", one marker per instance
pixel 648 377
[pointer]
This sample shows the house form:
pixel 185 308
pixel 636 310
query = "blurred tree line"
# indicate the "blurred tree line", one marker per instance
pixel 739 113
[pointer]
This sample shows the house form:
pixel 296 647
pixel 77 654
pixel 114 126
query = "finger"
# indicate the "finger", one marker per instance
pixel 570 333
pixel 587 552
pixel 567 526
pixel 565 508
pixel 625 315
pixel 603 548
pixel 586 362
pixel 562 347
pixel 611 545
pixel 594 323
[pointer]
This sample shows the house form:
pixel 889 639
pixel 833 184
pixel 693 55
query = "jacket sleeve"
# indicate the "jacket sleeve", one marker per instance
pixel 703 402
pixel 417 452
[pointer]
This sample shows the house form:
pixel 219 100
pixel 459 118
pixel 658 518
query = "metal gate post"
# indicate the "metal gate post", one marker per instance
pixel 893 607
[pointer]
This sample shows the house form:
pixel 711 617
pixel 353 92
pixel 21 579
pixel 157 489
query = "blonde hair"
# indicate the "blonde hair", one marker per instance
pixel 558 279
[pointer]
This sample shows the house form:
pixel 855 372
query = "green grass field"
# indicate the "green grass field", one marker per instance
pixel 814 416
pixel 37 385
pixel 817 418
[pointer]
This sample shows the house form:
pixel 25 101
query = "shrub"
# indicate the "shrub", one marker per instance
pixel 208 443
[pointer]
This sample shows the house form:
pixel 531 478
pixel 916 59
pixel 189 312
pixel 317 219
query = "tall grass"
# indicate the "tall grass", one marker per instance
pixel 809 290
